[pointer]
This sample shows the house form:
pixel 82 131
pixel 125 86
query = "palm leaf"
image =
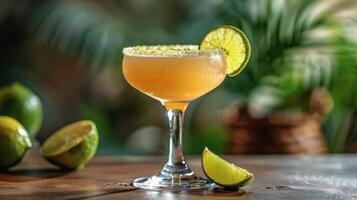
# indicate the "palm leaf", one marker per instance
pixel 82 28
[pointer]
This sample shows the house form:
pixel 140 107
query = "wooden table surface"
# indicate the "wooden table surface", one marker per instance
pixel 277 177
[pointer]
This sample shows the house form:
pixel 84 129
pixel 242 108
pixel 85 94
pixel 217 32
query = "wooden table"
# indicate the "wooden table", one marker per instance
pixel 277 177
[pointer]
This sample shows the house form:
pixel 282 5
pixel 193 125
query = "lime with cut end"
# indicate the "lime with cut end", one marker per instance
pixel 224 173
pixel 22 104
pixel 73 146
pixel 14 142
pixel 233 42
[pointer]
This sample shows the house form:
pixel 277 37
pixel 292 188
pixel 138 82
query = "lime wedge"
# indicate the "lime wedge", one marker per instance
pixel 73 146
pixel 224 173
pixel 14 142
pixel 233 42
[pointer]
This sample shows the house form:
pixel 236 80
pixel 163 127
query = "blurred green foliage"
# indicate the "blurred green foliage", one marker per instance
pixel 298 46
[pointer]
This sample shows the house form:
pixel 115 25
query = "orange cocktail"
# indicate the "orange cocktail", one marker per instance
pixel 174 75
pixel 175 78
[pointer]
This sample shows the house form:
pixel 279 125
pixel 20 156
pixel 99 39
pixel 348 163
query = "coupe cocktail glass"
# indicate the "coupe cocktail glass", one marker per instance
pixel 175 75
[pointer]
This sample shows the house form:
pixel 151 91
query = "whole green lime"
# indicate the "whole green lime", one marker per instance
pixel 72 146
pixel 14 142
pixel 22 104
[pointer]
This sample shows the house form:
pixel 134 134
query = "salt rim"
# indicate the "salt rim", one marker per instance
pixel 168 50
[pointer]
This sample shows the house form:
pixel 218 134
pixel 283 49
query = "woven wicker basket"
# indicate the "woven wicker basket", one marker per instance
pixel 279 134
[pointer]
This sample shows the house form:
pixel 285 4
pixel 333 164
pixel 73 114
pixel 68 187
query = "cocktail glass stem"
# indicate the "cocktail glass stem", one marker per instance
pixel 176 164
pixel 175 175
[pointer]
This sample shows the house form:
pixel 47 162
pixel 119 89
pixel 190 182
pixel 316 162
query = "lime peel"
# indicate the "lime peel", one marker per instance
pixel 19 102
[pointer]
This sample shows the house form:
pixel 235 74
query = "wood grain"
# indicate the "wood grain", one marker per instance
pixel 277 177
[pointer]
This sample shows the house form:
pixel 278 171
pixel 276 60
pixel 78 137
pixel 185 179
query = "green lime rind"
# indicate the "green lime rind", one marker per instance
pixel 14 142
pixel 22 104
pixel 233 42
pixel 244 183
pixel 73 146
pixel 224 173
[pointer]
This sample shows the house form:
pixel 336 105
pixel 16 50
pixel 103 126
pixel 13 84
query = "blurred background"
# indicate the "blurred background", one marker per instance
pixel 298 93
